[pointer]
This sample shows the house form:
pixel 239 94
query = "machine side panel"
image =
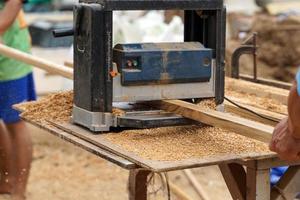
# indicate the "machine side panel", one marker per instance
pixel 221 44
pixel 92 54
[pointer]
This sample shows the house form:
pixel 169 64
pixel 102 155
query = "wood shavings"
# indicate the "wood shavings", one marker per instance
pixel 208 103
pixel 179 143
pixel 171 143
pixel 259 102
pixel 56 107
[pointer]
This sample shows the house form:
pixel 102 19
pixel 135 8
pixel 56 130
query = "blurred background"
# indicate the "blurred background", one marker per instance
pixel 276 22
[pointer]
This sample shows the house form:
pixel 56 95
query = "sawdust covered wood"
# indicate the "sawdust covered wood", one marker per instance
pixel 178 143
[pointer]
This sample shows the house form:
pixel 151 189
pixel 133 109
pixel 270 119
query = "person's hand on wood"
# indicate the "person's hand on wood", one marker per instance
pixel 284 142
pixel 286 136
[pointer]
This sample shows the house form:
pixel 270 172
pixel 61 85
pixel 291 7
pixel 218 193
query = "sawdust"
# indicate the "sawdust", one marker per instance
pixel 170 144
pixel 54 107
pixel 208 103
pixel 259 102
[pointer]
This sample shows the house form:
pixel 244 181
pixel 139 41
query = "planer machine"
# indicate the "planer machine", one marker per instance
pixel 107 78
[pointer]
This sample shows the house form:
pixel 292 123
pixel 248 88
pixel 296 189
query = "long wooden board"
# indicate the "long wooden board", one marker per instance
pixel 156 165
pixel 214 118
pixel 255 105
pixel 270 118
pixel 259 90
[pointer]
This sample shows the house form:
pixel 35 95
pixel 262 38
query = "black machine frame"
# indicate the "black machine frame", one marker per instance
pixel 205 22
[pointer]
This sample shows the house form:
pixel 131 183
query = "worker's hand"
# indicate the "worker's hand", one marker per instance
pixel 284 143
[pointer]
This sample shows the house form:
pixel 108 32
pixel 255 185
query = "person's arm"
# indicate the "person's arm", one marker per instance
pixel 286 136
pixel 9 14
pixel 294 108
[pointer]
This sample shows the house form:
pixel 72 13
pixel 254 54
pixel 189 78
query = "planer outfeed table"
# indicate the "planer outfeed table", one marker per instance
pixel 247 176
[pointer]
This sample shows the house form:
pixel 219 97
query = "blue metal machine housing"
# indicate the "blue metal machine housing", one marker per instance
pixel 163 63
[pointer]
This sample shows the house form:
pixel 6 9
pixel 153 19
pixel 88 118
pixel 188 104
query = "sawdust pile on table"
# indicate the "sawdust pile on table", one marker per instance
pixel 169 143
pixel 54 107
pixel 179 143
pixel 57 107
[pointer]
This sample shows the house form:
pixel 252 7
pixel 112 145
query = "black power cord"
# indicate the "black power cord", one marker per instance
pixel 251 111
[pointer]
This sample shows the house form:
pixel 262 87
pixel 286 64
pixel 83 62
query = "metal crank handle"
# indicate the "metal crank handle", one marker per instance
pixel 63 32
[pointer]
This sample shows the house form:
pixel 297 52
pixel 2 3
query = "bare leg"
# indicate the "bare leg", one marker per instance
pixel 21 140
pixel 6 161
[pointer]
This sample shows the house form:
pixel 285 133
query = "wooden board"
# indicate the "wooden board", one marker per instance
pixel 281 95
pixel 218 119
pixel 248 103
pixel 154 165
pixel 274 117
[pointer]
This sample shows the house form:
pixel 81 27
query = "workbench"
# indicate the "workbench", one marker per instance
pixel 247 177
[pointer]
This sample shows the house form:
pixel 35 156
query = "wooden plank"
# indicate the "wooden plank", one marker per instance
pixel 36 61
pixel 258 184
pixel 281 95
pixel 235 179
pixel 268 82
pixel 214 118
pixel 155 165
pixel 288 185
pixel 254 105
pixel 272 117
pixel 69 64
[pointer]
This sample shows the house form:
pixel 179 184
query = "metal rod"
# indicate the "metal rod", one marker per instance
pixel 255 57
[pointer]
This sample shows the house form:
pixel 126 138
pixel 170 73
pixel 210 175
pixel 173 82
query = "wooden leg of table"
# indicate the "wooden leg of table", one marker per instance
pixel 235 178
pixel 288 186
pixel 258 184
pixel 137 184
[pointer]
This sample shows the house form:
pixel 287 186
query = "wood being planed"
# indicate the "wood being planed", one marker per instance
pixel 214 118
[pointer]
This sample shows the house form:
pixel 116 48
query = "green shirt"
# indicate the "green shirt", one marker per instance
pixel 18 38
pixel 39 1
